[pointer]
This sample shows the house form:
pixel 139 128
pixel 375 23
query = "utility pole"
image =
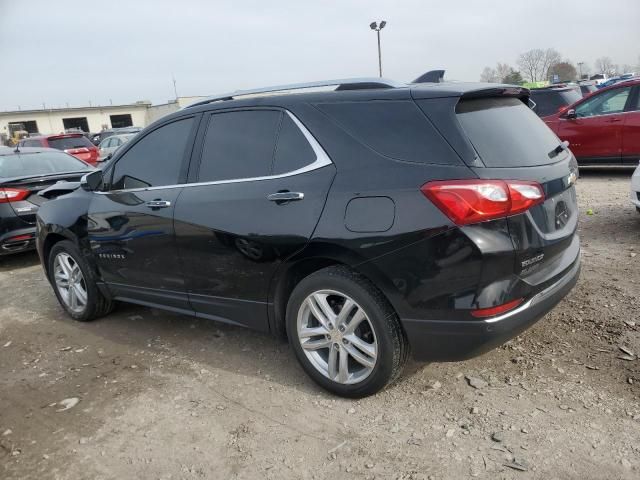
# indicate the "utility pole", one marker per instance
pixel 375 27
pixel 175 89
pixel 580 69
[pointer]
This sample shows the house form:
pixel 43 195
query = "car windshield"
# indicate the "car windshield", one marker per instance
pixel 42 163
pixel 67 143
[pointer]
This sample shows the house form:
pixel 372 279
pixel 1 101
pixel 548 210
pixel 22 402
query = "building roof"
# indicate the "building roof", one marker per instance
pixel 141 104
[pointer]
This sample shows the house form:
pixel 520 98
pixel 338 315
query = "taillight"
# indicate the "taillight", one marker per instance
pixel 8 195
pixel 473 201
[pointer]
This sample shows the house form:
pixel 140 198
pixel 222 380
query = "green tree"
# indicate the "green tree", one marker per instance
pixel 514 78
pixel 565 70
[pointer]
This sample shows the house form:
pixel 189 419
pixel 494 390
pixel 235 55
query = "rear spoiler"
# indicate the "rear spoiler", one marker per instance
pixel 498 91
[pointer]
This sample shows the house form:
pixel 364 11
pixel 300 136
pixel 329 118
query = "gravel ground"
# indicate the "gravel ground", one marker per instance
pixel 167 396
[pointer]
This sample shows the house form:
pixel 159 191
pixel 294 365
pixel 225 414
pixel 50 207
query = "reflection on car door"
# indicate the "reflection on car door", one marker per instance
pixel 596 134
pixel 130 225
pixel 257 201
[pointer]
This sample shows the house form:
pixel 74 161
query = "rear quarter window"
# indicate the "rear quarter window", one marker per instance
pixel 395 129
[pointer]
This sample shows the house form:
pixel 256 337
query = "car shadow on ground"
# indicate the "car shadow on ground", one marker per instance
pixel 196 344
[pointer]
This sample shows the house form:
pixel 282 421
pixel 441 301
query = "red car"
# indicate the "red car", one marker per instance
pixel 74 144
pixel 603 128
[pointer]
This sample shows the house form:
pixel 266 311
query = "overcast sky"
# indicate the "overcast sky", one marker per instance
pixel 60 52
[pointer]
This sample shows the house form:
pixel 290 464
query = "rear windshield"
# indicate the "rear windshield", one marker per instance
pixel 506 133
pixel 549 102
pixel 43 163
pixel 66 143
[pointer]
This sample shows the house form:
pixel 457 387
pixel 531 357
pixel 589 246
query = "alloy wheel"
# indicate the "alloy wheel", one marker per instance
pixel 70 282
pixel 337 336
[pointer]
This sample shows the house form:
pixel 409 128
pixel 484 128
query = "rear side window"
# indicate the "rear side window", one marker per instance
pixel 506 133
pixel 155 160
pixel 549 102
pixel 67 143
pixel 293 150
pixel 395 129
pixel 239 145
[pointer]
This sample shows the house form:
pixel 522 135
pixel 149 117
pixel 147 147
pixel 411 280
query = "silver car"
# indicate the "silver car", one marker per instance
pixel 109 145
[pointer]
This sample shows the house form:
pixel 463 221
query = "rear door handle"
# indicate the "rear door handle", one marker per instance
pixel 285 196
pixel 158 204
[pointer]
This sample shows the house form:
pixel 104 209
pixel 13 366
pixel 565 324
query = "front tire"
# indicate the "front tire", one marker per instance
pixel 344 333
pixel 74 283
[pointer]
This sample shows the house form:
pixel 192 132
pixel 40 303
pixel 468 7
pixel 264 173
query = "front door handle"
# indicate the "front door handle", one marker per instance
pixel 158 204
pixel 285 196
pixel 615 119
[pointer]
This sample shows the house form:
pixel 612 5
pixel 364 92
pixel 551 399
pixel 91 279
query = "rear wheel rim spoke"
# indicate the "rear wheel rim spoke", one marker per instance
pixel 337 336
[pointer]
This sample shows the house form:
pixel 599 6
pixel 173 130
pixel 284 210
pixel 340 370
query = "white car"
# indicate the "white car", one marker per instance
pixel 109 145
pixel 635 188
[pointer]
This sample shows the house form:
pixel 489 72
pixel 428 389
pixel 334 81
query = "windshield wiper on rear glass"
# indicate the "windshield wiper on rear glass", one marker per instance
pixel 559 149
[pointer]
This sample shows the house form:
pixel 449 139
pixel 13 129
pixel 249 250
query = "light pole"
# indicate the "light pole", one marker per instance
pixel 580 69
pixel 374 26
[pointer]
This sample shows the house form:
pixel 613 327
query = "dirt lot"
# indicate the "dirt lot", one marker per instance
pixel 167 396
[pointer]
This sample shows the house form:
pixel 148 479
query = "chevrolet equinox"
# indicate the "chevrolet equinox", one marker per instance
pixel 363 219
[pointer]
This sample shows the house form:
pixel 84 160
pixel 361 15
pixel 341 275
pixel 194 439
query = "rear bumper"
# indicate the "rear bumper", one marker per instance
pixel 635 188
pixel 455 340
pixel 12 242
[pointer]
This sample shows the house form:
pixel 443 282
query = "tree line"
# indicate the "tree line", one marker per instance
pixel 543 64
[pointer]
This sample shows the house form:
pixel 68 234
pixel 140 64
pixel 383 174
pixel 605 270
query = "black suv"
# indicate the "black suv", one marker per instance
pixel 363 222
pixel 550 100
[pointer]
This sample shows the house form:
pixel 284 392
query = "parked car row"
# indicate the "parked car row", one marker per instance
pixel 75 144
pixel 78 145
pixel 97 138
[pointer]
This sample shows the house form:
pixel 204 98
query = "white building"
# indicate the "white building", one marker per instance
pixel 88 119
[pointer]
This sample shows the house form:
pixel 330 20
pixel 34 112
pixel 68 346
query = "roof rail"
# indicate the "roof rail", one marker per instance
pixel 342 84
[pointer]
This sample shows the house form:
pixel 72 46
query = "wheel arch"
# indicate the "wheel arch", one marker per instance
pixel 310 260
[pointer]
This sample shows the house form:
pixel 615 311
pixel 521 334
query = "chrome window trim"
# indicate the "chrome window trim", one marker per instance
pixel 322 160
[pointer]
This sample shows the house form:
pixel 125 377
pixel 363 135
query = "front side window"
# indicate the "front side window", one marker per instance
pixel 611 101
pixel 155 160
pixel 239 145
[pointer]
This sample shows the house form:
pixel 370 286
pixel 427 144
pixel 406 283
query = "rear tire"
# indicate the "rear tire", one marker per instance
pixel 344 332
pixel 74 283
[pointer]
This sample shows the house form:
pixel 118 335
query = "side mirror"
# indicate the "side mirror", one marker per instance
pixel 109 156
pixel 571 114
pixel 91 181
